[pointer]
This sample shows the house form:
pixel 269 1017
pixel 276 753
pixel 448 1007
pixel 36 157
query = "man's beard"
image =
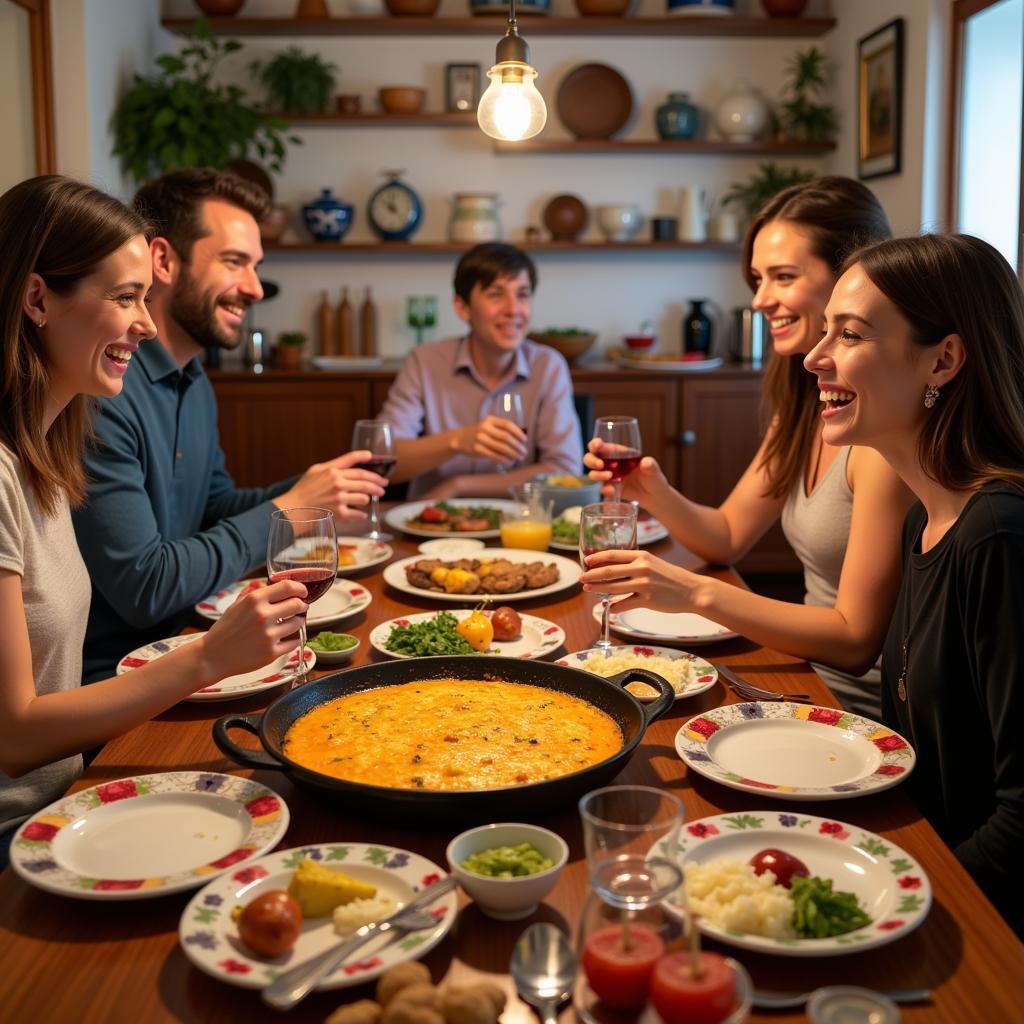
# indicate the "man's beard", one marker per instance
pixel 196 314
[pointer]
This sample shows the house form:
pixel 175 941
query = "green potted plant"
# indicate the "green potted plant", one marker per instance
pixel 770 179
pixel 296 82
pixel 804 117
pixel 181 118
pixel 288 354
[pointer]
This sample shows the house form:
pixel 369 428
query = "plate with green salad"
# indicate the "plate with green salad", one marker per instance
pixel 565 529
pixel 428 634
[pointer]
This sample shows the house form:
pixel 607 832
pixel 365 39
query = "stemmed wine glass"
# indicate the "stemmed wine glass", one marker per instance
pixel 620 450
pixel 375 435
pixel 606 526
pixel 509 406
pixel 303 546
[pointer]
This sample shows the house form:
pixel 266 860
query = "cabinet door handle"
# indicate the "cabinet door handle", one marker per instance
pixel 688 438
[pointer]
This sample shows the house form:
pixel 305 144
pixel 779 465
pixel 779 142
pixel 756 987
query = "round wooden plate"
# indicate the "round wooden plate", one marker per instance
pixel 594 101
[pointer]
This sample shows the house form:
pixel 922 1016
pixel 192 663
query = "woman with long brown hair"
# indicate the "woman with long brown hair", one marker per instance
pixel 74 274
pixel 841 510
pixel 923 360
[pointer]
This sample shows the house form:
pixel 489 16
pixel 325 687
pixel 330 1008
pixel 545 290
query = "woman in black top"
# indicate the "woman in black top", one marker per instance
pixel 923 360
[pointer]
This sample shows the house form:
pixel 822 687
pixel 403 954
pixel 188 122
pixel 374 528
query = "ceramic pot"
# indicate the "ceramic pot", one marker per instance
pixel 328 219
pixel 783 8
pixel 220 8
pixel 677 117
pixel 349 103
pixel 565 216
pixel 664 229
pixel 500 7
pixel 288 357
pixel 412 8
pixel 692 7
pixel 401 99
pixel 475 217
pixel 312 9
pixel 274 225
pixel 603 8
pixel 742 115
pixel 619 221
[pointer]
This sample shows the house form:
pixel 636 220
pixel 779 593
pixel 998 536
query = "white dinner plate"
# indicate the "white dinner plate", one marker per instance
pixel 148 836
pixel 342 363
pixel 537 638
pixel 450 548
pixel 210 938
pixel 675 365
pixel 398 517
pixel 366 553
pixel 280 671
pixel 648 531
pixel 569 573
pixel 704 674
pixel 665 627
pixel 889 884
pixel 342 600
pixel 794 751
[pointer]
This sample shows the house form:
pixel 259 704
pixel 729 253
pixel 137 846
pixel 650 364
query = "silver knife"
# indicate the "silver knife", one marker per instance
pixel 295 984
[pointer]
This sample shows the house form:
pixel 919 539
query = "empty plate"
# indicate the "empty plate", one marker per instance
pixel 594 101
pixel 665 627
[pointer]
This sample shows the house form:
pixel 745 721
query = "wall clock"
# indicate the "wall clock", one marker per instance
pixel 394 210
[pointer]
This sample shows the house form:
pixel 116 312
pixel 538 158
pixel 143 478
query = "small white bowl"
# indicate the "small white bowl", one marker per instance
pixel 336 657
pixel 451 547
pixel 507 899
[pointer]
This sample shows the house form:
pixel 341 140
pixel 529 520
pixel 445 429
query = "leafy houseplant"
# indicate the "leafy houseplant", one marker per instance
pixel 803 116
pixel 769 180
pixel 181 118
pixel 296 82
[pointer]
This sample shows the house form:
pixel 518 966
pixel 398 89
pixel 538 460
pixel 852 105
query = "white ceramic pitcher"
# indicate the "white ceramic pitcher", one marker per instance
pixel 692 214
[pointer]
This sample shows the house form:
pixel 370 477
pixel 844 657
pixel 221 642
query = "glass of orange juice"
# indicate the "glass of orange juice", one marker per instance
pixel 527 524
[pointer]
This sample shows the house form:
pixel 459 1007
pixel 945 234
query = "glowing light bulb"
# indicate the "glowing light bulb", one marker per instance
pixel 511 108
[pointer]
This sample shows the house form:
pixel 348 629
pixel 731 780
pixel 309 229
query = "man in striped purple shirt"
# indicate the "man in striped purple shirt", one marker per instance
pixel 445 405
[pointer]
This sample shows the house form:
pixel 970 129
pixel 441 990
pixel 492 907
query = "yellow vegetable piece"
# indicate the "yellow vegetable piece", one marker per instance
pixel 318 889
pixel 461 581
pixel 476 630
pixel 439 575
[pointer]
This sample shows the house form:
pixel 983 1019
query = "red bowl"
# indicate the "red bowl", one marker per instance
pixel 640 340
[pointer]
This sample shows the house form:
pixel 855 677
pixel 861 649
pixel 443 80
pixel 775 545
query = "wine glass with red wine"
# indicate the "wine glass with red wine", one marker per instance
pixel 375 435
pixel 620 450
pixel 303 546
pixel 509 407
pixel 606 526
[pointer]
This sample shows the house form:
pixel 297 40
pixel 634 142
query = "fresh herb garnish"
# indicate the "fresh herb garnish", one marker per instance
pixel 819 913
pixel 422 639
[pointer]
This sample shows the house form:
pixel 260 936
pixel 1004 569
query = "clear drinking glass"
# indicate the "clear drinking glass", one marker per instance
pixel 621 449
pixel 606 526
pixel 303 546
pixel 375 435
pixel 509 406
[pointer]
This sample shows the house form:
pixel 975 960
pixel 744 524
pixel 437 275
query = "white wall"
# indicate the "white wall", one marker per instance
pixel 605 292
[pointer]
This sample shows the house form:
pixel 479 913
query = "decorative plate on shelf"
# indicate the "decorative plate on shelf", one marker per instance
pixel 594 101
pixel 794 751
pixel 342 600
pixel 210 938
pixel 148 836
pixel 890 886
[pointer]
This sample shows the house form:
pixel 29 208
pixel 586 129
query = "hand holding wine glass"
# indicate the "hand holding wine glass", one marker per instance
pixel 509 406
pixel 606 526
pixel 620 448
pixel 303 546
pixel 375 436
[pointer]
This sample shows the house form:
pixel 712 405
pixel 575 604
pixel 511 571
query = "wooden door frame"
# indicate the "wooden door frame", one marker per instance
pixel 962 11
pixel 42 83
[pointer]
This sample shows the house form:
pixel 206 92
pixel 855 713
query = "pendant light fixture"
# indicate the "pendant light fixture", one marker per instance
pixel 511 108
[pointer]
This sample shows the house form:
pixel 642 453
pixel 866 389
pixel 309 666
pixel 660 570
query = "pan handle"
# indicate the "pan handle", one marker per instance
pixel 241 755
pixel 666 695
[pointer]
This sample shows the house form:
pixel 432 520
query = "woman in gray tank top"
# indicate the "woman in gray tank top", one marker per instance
pixel 841 509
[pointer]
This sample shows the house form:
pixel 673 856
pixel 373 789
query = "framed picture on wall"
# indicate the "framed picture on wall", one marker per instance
pixel 880 101
pixel 462 87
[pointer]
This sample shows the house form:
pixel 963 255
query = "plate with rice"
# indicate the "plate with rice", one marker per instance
pixel 735 906
pixel 687 674
pixel 209 935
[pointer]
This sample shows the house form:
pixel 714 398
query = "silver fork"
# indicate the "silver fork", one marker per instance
pixel 751 692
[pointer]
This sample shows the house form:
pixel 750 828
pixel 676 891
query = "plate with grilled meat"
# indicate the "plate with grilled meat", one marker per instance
pixel 506 574
pixel 465 517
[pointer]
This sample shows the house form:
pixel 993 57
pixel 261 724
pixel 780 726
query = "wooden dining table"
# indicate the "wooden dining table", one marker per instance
pixel 120 962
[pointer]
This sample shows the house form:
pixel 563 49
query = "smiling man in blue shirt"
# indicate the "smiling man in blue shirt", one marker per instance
pixel 164 524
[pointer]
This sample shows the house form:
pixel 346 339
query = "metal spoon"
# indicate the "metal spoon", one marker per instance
pixel 543 967
pixel 784 1000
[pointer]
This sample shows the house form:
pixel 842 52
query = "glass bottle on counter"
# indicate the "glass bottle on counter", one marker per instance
pixel 346 340
pixel 325 335
pixel 697 329
pixel 368 325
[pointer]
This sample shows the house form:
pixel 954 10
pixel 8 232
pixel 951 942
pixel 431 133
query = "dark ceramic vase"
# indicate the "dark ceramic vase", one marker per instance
pixel 677 117
pixel 328 219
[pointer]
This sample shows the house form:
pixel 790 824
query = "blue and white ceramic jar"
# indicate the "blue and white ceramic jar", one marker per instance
pixel 677 117
pixel 501 7
pixel 328 219
pixel 700 7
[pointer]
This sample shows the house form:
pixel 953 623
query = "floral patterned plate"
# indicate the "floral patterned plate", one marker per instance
pixel 890 885
pixel 147 836
pixel 231 687
pixel 210 938
pixel 648 531
pixel 702 675
pixel 650 626
pixel 537 638
pixel 794 751
pixel 341 601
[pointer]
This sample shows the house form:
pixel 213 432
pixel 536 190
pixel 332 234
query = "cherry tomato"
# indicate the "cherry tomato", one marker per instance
pixel 476 630
pixel 506 622
pixel 620 977
pixel 270 924
pixel 433 514
pixel 680 998
pixel 781 864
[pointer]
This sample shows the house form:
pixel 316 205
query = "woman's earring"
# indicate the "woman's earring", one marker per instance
pixel 931 393
pixel 40 323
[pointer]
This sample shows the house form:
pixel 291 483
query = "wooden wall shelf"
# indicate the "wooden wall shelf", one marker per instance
pixel 681 147
pixel 438 119
pixel 531 26
pixel 341 250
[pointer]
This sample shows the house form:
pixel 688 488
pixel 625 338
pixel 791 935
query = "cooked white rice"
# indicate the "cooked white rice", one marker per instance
pixel 729 894
pixel 351 916
pixel 680 672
